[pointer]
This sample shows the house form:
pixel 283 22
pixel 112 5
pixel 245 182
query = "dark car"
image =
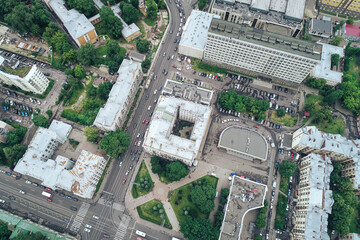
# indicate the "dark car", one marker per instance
pixel 68 197
pixel 61 195
pixel 75 199
pixel 12 198
pixel 35 184
pixel 8 173
pixel 42 187
pixel 73 208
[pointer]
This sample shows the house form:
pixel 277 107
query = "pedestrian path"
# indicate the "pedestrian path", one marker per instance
pixel 80 215
pixel 120 233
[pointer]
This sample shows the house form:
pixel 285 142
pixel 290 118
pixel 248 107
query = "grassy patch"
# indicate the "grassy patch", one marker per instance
pixel 148 213
pixel 287 120
pixel 73 143
pixel 76 93
pixel 284 184
pixel 149 22
pixel 103 175
pixel 326 12
pixel 336 126
pixel 342 16
pixel 181 197
pixel 100 51
pixel 316 99
pixel 41 96
pixel 280 212
pixel 141 27
pixel 137 190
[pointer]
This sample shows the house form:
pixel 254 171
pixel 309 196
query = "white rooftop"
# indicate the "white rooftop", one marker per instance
pixel 278 5
pixel 263 5
pixel 295 9
pixel 129 30
pixel 196 29
pixel 323 69
pixel 114 107
pixel 159 135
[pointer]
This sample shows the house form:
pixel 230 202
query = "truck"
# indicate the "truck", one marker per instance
pixel 46 194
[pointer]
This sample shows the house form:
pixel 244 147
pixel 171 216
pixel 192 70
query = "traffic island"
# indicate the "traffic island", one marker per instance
pixel 153 211
pixel 143 182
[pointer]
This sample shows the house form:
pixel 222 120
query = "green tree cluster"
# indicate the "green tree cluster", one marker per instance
pixel 198 229
pixel 112 23
pixel 57 39
pixel 336 41
pixel 151 9
pixel 4 231
pixel 171 170
pixel 25 19
pixel 203 195
pixel 317 83
pixel 335 58
pixel 146 64
pixel 161 4
pixel 307 37
pixel 40 121
pixel 86 7
pixel 86 54
pixel 351 92
pixel 338 26
pixel 142 45
pixel 17 135
pixel 114 55
pixel 287 169
pixel 331 95
pixel 49 113
pixel 80 71
pixel 115 143
pixel 91 133
pixel 323 115
pixel 280 112
pixel 26 235
pixel 12 151
pixel 350 21
pixel 261 218
pixel 129 13
pixel 230 100
pixel 202 4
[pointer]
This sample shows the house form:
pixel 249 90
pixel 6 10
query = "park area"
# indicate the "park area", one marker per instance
pixel 181 200
pixel 144 183
pixel 153 211
pixel 286 120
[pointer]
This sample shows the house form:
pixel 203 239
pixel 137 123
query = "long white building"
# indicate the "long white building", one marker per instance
pixel 314 198
pixel 34 81
pixel 259 52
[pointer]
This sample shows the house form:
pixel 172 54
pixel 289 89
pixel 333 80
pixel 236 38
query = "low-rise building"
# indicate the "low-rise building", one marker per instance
pixel 79 27
pixel 30 80
pixel 343 7
pixel 114 113
pixel 79 176
pixel 321 28
pixel 138 57
pixel 4 129
pixel 314 200
pixel 178 129
pixel 351 32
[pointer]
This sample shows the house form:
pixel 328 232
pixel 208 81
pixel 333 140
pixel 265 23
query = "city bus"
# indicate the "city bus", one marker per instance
pixel 46 194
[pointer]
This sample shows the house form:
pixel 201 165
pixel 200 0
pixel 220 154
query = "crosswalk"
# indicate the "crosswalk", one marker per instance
pixel 120 233
pixel 80 215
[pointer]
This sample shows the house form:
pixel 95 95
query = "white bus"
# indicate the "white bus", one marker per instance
pixel 46 194
pixel 140 233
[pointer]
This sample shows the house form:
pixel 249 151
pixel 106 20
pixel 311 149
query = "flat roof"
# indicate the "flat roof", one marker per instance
pixel 114 107
pixel 196 29
pixel 321 26
pixel 278 5
pixel 129 30
pixel 323 69
pixel 159 136
pixel 266 39
pixel 262 5
pixel 245 141
pixel 352 30
pixel 295 9
pixel 137 56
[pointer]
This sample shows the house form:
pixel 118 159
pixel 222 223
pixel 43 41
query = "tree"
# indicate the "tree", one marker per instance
pixel 16 136
pixel 69 56
pixel 287 168
pixel 258 237
pixel 115 143
pixel 20 19
pixel 336 41
pixel 86 54
pixel 14 153
pixel 111 22
pixel 338 25
pixel 261 221
pixel 350 21
pixel 219 217
pixel 324 114
pixel 197 229
pixel 309 107
pixel 224 195
pixel 176 170
pixel 80 71
pixel 161 4
pixel 49 113
pixel 151 9
pixel 146 64
pixel 112 48
pixel 60 42
pixel 307 37
pixel 315 83
pixel 4 231
pixel 50 31
pixel 83 6
pixel 103 90
pixel 40 121
pixel 201 4
pixel 332 97
pixel 280 112
pixel 91 134
pixel 261 116
pixel 156 165
pixel 135 3
pixel 335 58
pixel 203 197
pixel 129 13
pixel 142 45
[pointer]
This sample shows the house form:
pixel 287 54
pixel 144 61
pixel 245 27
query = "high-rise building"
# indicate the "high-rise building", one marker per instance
pixel 350 8
pixel 261 53
pixel 31 80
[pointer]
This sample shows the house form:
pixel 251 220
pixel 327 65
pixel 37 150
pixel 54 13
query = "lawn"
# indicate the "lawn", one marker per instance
pixel 287 120
pixel 142 176
pixel 76 93
pixel 149 22
pixel 284 184
pixel 181 197
pixel 316 99
pixel 152 212
pixel 100 51
pixel 280 212
pixel 336 126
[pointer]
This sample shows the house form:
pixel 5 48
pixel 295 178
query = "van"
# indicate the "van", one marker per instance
pixel 142 234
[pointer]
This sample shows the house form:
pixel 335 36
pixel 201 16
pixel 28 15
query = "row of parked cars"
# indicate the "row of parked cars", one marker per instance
pixel 210 76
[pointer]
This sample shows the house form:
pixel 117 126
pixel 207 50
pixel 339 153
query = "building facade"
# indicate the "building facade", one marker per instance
pixel 314 198
pixel 271 56
pixel 350 8
pixel 35 81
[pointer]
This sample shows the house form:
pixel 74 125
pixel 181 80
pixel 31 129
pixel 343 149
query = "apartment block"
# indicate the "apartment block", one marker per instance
pixel 314 198
pixel 340 149
pixel 31 80
pixel 350 8
pixel 265 54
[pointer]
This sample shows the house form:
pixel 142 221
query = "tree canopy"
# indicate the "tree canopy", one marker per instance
pixel 103 90
pixel 198 229
pixel 4 231
pixel 142 45
pixel 16 136
pixel 129 13
pixel 14 153
pixel 40 121
pixel 317 83
pixel 201 4
pixel 91 133
pixel 80 71
pixel 280 112
pixel 336 41
pixel 151 9
pixel 335 58
pixel 86 7
pixel 146 64
pixel 115 143
pixel 287 168
pixel 176 170
pixel 86 54
pixel 112 23
pixel 203 197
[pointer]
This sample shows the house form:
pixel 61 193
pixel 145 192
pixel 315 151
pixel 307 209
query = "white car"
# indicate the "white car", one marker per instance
pixel 22 192
pixel 127 172
pixel 139 143
pixel 86 230
pixel 28 182
pixel 96 217
pixel 138 135
pixel 120 164
pixel 2 201
pixel 149 107
pixel 88 226
pixel 2 171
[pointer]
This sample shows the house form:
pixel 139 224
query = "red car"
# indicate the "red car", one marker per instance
pixel 140 238
pixel 292 154
pixel 147 122
pixel 135 142
pixel 48 189
pixel 106 236
pixel 144 121
pixel 174 66
pixel 49 199
pixel 124 181
pixel 216 78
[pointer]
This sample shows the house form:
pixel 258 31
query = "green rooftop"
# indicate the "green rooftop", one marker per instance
pixel 21 70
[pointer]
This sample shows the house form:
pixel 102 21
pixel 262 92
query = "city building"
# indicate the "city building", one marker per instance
pixel 29 79
pixel 79 176
pixel 138 57
pixel 4 129
pixel 78 26
pixel 340 149
pixel 114 113
pixel 350 8
pixel 269 56
pixel 350 236
pixel 324 70
pixel 193 39
pixel 244 143
pixel 351 32
pixel 321 28
pixel 245 196
pixel 314 199
pixel 280 16
pixel 178 129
